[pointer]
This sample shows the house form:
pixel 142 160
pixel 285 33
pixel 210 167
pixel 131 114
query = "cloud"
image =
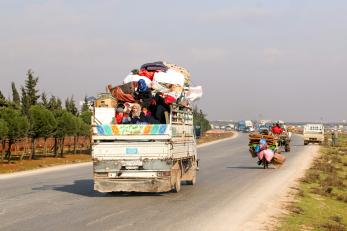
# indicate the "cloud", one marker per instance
pixel 208 54
pixel 233 15
pixel 272 55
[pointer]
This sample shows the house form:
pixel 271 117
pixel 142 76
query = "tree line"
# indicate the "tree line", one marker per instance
pixel 29 114
pixel 200 120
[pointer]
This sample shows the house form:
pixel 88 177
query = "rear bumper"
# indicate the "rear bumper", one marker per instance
pixel 132 185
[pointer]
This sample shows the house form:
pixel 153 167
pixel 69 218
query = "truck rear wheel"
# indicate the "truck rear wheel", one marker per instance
pixel 193 180
pixel 177 186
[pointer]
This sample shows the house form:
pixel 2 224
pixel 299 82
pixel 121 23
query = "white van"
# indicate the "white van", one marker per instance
pixel 313 133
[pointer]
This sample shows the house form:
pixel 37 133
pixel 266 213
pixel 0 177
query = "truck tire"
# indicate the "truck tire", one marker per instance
pixel 193 180
pixel 177 186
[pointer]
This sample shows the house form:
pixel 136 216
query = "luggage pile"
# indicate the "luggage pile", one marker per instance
pixel 147 93
pixel 254 140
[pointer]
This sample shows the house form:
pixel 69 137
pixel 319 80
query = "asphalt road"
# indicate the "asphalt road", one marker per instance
pixel 225 196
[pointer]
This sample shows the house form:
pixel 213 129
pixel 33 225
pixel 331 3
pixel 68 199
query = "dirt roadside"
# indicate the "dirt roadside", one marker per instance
pixel 259 207
pixel 267 219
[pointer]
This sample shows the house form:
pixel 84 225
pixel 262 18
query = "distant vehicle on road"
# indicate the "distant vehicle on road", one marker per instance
pixel 249 126
pixel 313 133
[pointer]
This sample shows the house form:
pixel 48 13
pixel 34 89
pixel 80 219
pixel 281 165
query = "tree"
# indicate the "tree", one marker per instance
pixel 15 94
pixel 86 114
pixel 30 88
pixel 42 124
pixel 3 101
pixel 17 126
pixel 200 120
pixel 44 100
pixel 54 104
pixel 3 136
pixel 66 126
pixel 85 106
pixel 25 102
pixel 70 106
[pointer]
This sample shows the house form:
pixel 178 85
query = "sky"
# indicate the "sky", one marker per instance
pixel 254 59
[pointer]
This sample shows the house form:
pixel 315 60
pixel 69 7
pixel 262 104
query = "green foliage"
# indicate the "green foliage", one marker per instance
pixel 44 100
pixel 30 88
pixel 200 120
pixel 54 104
pixel 42 122
pixel 3 101
pixel 85 106
pixel 86 116
pixel 66 125
pixel 82 128
pixel 17 124
pixel 15 94
pixel 70 106
pixel 3 129
pixel 25 102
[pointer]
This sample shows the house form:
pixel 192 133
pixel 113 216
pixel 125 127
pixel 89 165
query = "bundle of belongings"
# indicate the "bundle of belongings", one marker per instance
pixel 264 146
pixel 147 93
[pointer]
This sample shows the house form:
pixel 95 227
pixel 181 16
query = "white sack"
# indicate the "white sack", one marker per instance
pixel 104 115
pixel 170 76
pixel 135 78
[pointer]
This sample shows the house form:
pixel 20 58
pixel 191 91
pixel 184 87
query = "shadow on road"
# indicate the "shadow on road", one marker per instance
pixel 247 167
pixel 85 188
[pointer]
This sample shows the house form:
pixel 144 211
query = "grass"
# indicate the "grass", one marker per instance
pixel 321 199
pixel 205 138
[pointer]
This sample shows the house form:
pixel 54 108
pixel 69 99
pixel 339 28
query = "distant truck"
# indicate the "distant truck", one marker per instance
pixel 143 157
pixel 249 126
pixel 240 126
pixel 313 133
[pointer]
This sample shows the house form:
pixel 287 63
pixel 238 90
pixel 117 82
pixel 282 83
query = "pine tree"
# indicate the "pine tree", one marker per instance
pixel 44 100
pixel 54 104
pixel 85 106
pixel 15 94
pixel 30 88
pixel 70 106
pixel 25 102
pixel 3 101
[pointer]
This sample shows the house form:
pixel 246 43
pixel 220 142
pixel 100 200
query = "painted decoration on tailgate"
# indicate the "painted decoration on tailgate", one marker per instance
pixel 133 129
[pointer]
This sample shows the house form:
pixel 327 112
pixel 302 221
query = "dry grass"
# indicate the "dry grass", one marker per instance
pixel 321 198
pixel 23 165
pixel 213 137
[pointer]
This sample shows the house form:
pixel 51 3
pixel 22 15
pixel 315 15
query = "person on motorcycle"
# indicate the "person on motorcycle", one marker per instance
pixel 277 129
pixel 260 147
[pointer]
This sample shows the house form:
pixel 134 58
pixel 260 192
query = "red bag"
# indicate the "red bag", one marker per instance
pixel 169 99
pixel 148 74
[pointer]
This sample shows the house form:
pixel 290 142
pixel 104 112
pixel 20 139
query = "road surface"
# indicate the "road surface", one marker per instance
pixel 231 190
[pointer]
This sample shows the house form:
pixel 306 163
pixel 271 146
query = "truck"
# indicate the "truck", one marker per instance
pixel 143 157
pixel 249 126
pixel 313 133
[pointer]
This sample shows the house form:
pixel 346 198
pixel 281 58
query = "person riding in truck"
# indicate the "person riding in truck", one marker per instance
pixel 277 129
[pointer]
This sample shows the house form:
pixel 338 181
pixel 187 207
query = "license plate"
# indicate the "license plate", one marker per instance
pixel 112 174
pixel 131 151
pixel 132 163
